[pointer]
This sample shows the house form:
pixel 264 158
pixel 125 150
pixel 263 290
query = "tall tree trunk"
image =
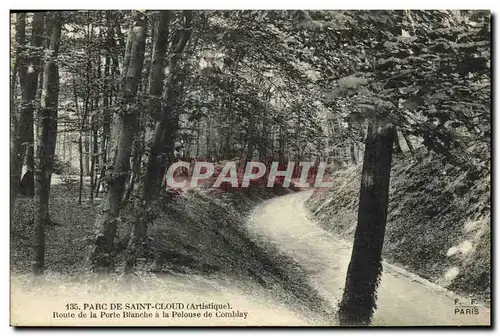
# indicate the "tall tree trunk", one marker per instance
pixel 80 161
pixel 94 158
pixel 47 119
pixel 39 99
pixel 29 88
pixel 86 152
pixel 135 163
pixel 28 169
pixel 124 128
pixel 28 175
pixel 363 274
pixel 80 141
pixel 157 76
pixel 172 125
pixel 19 67
pixel 95 138
pixel 27 182
pixel 63 135
pixel 70 148
pixel 20 34
pixel 88 101
pixel 85 134
pixel 153 176
pixel 107 100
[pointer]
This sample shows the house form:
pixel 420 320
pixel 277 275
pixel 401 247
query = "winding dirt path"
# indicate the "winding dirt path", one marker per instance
pixel 404 299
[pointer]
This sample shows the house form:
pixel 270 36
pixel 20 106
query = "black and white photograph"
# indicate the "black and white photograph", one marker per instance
pixel 250 168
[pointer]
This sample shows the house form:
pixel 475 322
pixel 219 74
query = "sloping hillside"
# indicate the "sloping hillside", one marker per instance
pixel 198 239
pixel 438 224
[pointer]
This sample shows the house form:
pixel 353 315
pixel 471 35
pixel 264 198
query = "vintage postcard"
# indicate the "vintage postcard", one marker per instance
pixel 250 168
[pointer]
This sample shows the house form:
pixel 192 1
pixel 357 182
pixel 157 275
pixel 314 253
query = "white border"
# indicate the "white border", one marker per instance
pixel 193 4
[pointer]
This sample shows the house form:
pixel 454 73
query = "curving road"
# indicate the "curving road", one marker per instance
pixel 404 299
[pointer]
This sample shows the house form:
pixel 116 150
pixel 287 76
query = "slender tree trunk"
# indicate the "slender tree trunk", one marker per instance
pixel 28 175
pixel 173 92
pixel 154 168
pixel 85 134
pixel 135 163
pixel 124 128
pixel 39 99
pixel 94 158
pixel 70 148
pixel 107 99
pixel 104 143
pixel 18 68
pixel 20 24
pixel 63 135
pixel 157 76
pixel 86 152
pixel 88 102
pixel 80 161
pixel 47 119
pixel 80 143
pixel 27 172
pixel 29 83
pixel 95 139
pixel 363 274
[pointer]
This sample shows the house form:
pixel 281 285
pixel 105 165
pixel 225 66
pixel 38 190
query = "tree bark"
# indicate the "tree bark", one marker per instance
pixel 27 171
pixel 95 138
pixel 44 158
pixel 135 163
pixel 27 182
pixel 19 67
pixel 107 100
pixel 86 152
pixel 164 127
pixel 157 76
pixel 80 142
pixel 124 128
pixel 29 88
pixel 363 274
pixel 94 159
pixel 63 135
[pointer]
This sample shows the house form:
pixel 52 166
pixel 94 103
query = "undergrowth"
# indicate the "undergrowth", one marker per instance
pixel 438 223
pixel 194 233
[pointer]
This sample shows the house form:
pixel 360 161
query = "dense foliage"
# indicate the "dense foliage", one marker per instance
pixel 121 95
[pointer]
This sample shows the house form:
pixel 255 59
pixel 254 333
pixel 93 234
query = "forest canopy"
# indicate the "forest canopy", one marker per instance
pixel 115 98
